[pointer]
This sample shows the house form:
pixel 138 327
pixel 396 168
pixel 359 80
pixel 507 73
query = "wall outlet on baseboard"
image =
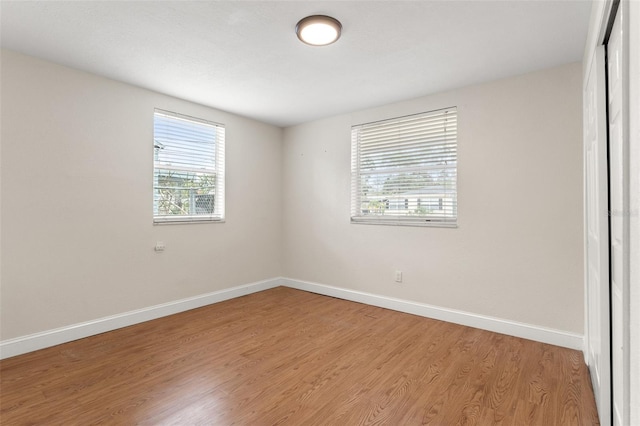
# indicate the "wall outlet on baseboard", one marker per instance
pixel 398 276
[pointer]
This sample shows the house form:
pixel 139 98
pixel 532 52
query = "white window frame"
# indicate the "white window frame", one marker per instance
pixel 207 164
pixel 419 151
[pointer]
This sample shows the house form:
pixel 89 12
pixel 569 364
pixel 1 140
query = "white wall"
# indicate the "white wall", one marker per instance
pixel 77 233
pixel 517 253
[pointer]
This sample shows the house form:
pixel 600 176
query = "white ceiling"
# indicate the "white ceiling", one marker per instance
pixel 244 57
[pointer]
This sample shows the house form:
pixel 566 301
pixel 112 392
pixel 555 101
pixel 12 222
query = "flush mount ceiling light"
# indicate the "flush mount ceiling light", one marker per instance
pixel 318 30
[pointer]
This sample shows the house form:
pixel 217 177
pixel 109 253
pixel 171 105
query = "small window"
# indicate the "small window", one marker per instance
pixel 188 169
pixel 404 170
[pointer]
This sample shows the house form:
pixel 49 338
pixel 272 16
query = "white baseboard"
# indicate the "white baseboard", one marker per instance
pixel 33 342
pixel 512 328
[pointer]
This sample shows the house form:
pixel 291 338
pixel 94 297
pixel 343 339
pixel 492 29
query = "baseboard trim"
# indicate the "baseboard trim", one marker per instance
pixel 33 342
pixel 512 328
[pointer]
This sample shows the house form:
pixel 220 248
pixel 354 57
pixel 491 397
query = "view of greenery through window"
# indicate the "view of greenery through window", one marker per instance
pixel 416 193
pixel 185 193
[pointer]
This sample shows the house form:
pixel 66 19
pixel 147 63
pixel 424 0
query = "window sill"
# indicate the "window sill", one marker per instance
pixel 403 222
pixel 185 220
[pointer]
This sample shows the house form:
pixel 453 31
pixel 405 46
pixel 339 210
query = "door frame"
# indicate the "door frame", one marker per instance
pixel 634 217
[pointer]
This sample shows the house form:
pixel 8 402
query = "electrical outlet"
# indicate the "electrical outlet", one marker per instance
pixel 159 246
pixel 398 276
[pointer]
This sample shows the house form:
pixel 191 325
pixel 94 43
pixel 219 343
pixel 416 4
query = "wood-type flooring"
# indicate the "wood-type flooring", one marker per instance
pixel 288 357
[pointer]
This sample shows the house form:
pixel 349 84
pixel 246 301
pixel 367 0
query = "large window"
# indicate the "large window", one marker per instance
pixel 403 170
pixel 188 169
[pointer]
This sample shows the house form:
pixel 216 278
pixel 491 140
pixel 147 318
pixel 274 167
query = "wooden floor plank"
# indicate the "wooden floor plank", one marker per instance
pixel 285 356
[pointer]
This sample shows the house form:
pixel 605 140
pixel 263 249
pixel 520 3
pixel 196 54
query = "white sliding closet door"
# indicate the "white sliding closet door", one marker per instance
pixel 619 217
pixel 597 229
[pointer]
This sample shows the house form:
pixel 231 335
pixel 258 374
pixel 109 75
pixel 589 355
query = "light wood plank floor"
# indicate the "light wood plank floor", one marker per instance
pixel 284 356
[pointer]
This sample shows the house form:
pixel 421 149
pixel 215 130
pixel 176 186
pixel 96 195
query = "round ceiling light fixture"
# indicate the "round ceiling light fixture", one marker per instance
pixel 318 30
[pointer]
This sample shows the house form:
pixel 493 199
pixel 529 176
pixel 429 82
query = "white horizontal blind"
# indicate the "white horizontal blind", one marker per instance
pixel 404 170
pixel 188 168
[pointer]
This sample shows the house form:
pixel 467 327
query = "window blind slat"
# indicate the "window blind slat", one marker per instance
pixel 433 128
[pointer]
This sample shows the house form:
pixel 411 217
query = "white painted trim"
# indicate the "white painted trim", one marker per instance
pixel 512 328
pixel 585 230
pixel 634 209
pixel 600 14
pixel 45 339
